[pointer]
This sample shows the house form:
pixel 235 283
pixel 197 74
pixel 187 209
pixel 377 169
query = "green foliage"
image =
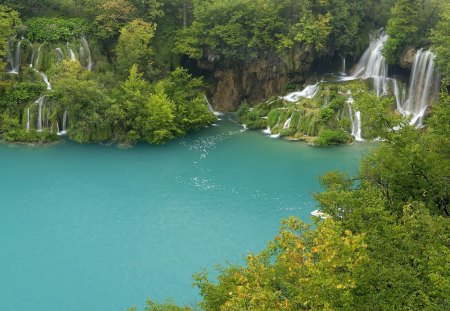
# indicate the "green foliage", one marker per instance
pixel 441 42
pixel 22 136
pixel 242 29
pixel 53 29
pixel 402 29
pixel 133 46
pixel 326 114
pixel 329 137
pixel 310 30
pixel 9 20
pixel 159 126
pixel 377 119
pixel 112 16
pixel 298 265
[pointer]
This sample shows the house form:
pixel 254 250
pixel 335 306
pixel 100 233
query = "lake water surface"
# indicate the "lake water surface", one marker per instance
pixel 91 227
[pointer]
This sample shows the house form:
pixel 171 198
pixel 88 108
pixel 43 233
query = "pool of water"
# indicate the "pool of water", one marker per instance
pixel 92 227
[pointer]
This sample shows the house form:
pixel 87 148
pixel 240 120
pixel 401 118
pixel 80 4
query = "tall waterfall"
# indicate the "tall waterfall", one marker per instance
pixel 40 103
pixel 64 125
pixel 36 63
pixel 356 126
pixel 15 61
pixel 32 55
pixel 343 67
pixel 308 92
pixel 423 86
pixel 372 64
pixel 356 121
pixel 28 119
pixel 85 46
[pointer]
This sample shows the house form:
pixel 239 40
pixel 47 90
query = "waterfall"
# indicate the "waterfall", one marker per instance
pixel 267 131
pixel 398 98
pixel 423 87
pixel 71 53
pixel 16 61
pixel 287 124
pixel 308 92
pixel 343 67
pixel 32 55
pixel 65 121
pixel 64 125
pixel 356 127
pixel 372 64
pixel 59 54
pixel 89 57
pixel 40 103
pixel 356 122
pixel 36 63
pixel 28 119
pixel 44 76
pixel 217 113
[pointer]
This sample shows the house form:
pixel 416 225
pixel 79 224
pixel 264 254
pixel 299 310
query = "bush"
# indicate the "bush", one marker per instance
pixel 326 114
pixel 332 137
pixel 56 29
pixel 22 135
pixel 286 132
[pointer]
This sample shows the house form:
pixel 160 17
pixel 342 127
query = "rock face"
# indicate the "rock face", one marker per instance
pixel 257 79
pixel 407 57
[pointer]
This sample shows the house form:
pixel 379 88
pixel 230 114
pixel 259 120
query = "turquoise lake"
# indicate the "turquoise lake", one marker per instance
pixel 92 227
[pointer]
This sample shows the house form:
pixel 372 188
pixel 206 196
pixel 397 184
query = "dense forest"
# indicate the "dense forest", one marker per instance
pixel 128 71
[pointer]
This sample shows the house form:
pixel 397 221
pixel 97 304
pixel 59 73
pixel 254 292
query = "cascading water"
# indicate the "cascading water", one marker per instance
pixel 44 76
pixel 398 99
pixel 16 61
pixel 64 125
pixel 308 92
pixel 32 55
pixel 36 63
pixel 356 122
pixel 356 127
pixel 85 46
pixel 343 67
pixel 59 54
pixel 267 131
pixel 71 53
pixel 287 123
pixel 217 113
pixel 423 87
pixel 372 64
pixel 40 103
pixel 28 119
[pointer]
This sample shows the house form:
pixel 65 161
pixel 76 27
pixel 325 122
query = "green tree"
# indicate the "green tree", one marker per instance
pixel 402 29
pixel 85 102
pixel 9 20
pixel 158 126
pixel 112 16
pixel 440 39
pixel 296 268
pixel 133 46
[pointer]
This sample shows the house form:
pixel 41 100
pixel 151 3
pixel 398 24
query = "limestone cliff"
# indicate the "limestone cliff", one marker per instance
pixel 407 57
pixel 256 79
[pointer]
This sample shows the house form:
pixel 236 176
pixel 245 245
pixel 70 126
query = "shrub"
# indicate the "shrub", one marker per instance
pixel 332 137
